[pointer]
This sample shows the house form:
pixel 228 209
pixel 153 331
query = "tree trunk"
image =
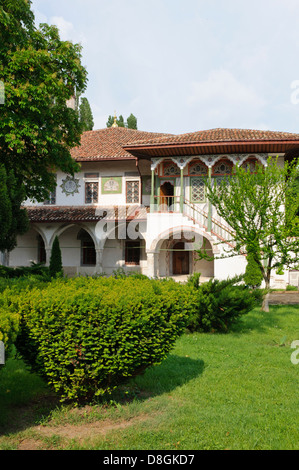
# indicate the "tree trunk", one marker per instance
pixel 265 305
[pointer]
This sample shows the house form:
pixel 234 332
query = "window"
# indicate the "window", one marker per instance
pixel 250 165
pixel 198 190
pixel 51 199
pixel 171 169
pixel 91 192
pixel 222 168
pixel 41 251
pixel 88 252
pixel 132 192
pixel 132 253
pixel 197 168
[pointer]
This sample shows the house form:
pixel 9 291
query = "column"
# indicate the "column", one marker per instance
pixel 182 191
pixel 99 260
pixel 210 205
pixel 152 203
pixel 151 265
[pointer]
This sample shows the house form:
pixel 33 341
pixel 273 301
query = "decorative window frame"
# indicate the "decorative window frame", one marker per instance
pixel 225 161
pixel 168 165
pixel 193 178
pixel 133 180
pixel 197 162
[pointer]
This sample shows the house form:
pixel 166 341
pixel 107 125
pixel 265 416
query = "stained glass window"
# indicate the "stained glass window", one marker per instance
pixel 197 168
pixel 249 165
pixel 171 169
pixel 133 192
pixel 198 191
pixel 223 167
pixel 91 192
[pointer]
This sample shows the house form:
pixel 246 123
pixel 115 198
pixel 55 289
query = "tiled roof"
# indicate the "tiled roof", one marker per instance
pixel 85 213
pixel 219 135
pixel 107 144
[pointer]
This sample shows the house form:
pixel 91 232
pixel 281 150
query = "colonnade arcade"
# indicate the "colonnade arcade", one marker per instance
pixel 165 170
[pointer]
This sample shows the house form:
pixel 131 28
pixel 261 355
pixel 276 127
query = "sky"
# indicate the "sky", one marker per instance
pixel 186 65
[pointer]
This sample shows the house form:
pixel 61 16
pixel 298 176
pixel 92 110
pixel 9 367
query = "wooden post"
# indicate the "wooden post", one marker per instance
pixel 210 205
pixel 152 191
pixel 182 191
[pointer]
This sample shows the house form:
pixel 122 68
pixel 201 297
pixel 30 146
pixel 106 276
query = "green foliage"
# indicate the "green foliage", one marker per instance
pixel 260 207
pixel 55 267
pixel 130 124
pixel 253 276
pixel 13 218
pixel 36 269
pixel 85 115
pixel 40 73
pixel 220 303
pixel 86 336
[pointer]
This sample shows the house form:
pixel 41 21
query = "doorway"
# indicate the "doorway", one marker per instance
pixel 180 260
pixel 166 195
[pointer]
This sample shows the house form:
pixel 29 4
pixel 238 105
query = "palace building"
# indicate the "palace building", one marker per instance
pixel 139 203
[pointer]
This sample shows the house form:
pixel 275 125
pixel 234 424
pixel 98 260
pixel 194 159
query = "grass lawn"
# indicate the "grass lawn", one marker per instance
pixel 233 391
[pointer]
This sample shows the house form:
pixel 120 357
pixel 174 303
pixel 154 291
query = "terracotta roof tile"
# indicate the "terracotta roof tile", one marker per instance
pixel 107 144
pixel 219 135
pixel 85 213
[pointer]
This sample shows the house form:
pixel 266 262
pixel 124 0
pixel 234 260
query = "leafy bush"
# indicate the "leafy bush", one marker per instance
pixel 220 304
pixel 253 276
pixel 85 336
pixel 36 269
pixel 10 290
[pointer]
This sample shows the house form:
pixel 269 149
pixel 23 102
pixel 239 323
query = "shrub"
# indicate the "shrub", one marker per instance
pixel 85 336
pixel 220 304
pixel 55 266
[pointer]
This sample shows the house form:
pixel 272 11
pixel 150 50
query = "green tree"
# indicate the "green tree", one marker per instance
pixel 85 115
pixel 13 218
pixel 260 208
pixel 40 73
pixel 55 266
pixel 131 122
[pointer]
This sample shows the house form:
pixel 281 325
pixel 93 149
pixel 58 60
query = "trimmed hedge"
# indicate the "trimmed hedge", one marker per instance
pixel 86 336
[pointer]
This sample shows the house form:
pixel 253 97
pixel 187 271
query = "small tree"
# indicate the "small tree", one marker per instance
pixel 260 207
pixel 55 266
pixel 131 122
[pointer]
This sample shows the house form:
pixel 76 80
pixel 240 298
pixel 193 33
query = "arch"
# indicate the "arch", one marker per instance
pixel 60 230
pixel 175 233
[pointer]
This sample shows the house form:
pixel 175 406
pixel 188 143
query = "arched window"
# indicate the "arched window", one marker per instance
pixel 222 168
pixel 171 169
pixel 250 164
pixel 198 168
pixel 88 252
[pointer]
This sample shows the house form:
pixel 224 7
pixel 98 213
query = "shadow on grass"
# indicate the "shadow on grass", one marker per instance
pixel 173 372
pixel 25 400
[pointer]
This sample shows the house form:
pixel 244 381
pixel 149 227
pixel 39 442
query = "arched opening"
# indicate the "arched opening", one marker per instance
pixel 166 195
pixel 41 250
pixel 88 252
